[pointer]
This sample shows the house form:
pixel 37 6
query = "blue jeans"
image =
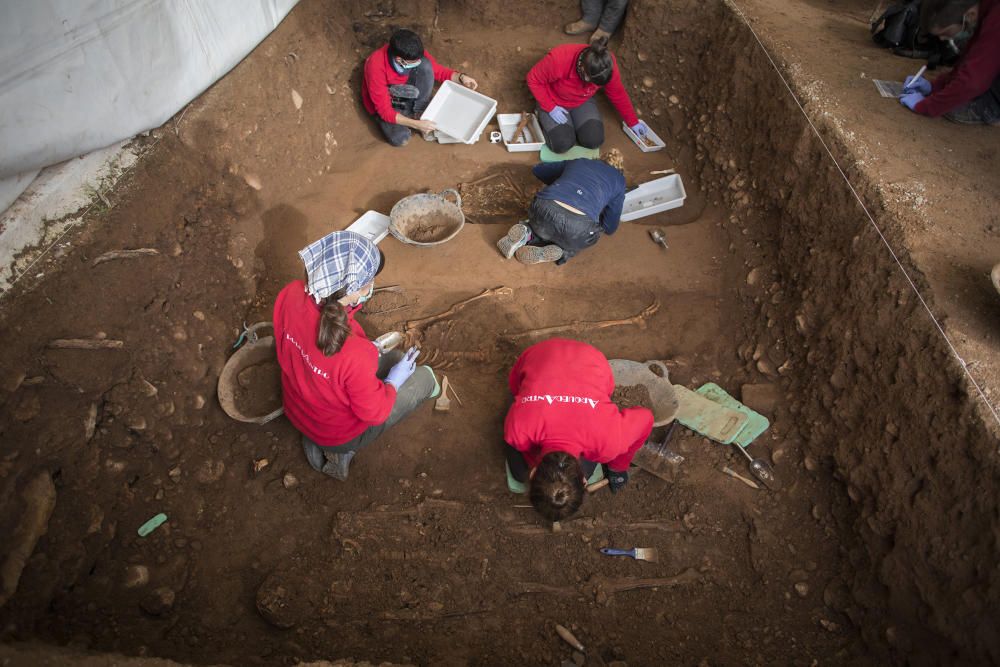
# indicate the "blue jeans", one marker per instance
pixel 551 223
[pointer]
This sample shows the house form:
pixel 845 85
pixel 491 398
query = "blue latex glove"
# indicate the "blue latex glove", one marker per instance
pixel 911 100
pixel 403 369
pixel 640 129
pixel 559 115
pixel 918 85
pixel 616 480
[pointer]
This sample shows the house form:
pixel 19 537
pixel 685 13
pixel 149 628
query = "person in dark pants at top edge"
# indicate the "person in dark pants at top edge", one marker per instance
pixel 969 93
pixel 398 82
pixel 564 83
pixel 562 424
pixel 338 388
pixel 604 15
pixel 582 199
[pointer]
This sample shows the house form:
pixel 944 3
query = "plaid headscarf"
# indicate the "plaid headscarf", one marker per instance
pixel 339 260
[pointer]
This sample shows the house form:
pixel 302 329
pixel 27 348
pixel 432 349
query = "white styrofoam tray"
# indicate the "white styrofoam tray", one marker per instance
pixel 459 112
pixel 656 196
pixel 372 225
pixel 652 136
pixel 508 122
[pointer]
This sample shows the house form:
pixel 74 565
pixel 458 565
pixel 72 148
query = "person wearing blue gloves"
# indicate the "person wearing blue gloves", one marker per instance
pixel 970 92
pixel 582 200
pixel 339 389
pixel 564 83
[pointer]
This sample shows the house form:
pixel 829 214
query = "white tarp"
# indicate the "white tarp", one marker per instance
pixel 76 75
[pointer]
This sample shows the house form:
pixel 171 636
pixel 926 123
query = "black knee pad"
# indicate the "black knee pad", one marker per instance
pixel 590 134
pixel 560 138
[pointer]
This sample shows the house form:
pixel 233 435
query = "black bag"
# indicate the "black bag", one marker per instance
pixel 898 28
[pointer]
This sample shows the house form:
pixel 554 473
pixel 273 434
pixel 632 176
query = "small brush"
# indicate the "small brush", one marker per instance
pixel 443 403
pixel 639 553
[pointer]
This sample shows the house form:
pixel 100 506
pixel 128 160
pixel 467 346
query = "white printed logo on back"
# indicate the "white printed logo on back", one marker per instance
pixel 550 399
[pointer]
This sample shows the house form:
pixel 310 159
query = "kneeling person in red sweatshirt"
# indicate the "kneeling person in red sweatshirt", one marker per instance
pixel 969 93
pixel 398 82
pixel 338 388
pixel 563 424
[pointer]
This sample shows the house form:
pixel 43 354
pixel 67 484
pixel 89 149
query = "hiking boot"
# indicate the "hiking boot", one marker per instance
pixel 538 255
pixel 600 34
pixel 516 237
pixel 578 27
pixel 337 465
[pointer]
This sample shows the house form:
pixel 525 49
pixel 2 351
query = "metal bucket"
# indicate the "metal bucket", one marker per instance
pixel 253 352
pixel 427 219
pixel 665 404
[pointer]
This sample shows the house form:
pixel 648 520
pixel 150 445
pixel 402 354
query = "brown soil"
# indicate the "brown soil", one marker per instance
pixel 259 390
pixel 880 547
pixel 632 396
pixel 429 228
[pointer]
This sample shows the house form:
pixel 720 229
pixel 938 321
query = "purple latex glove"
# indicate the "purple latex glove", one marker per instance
pixel 559 114
pixel 918 85
pixel 403 369
pixel 911 100
pixel 640 129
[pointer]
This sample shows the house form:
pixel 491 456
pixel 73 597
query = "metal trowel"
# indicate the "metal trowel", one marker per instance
pixel 761 469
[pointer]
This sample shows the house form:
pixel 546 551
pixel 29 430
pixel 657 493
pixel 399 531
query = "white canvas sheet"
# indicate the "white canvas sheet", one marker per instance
pixel 76 75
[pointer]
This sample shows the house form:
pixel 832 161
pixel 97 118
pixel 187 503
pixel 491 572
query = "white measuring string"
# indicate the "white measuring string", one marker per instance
pixel 871 218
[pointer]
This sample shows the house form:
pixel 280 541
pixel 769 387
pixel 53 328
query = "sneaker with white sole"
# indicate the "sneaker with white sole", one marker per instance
pixel 516 237
pixel 539 255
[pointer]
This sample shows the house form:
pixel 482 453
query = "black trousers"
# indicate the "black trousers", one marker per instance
pixel 552 223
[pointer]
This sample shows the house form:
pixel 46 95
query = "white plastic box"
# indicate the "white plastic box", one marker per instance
pixel 508 122
pixel 655 196
pixel 643 146
pixel 460 113
pixel 372 225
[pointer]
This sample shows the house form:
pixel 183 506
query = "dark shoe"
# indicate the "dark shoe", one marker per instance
pixel 337 465
pixel 539 255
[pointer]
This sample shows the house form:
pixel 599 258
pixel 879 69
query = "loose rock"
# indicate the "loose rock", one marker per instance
pixel 158 601
pixel 136 575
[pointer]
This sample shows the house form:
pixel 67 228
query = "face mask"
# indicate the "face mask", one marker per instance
pixel 964 35
pixel 363 299
pixel 405 65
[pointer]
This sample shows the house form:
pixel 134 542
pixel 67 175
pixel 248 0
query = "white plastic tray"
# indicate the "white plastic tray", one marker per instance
pixel 459 112
pixel 508 122
pixel 652 136
pixel 655 196
pixel 372 225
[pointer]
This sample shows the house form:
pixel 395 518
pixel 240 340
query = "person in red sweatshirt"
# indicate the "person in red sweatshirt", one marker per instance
pixel 338 388
pixel 564 83
pixel 970 92
pixel 562 424
pixel 397 85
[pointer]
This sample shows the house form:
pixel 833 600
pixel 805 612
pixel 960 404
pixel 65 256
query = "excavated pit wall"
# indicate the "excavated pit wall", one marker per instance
pixel 876 401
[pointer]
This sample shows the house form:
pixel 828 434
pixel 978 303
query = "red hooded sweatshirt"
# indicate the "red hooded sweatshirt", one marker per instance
pixel 976 70
pixel 554 82
pixel 329 399
pixel 380 74
pixel 562 403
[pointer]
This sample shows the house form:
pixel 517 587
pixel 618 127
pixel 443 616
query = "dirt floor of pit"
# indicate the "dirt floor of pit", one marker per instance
pixel 423 556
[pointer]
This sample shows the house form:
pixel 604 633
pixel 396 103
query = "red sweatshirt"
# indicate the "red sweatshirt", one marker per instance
pixel 976 70
pixel 562 402
pixel 380 74
pixel 329 399
pixel 554 82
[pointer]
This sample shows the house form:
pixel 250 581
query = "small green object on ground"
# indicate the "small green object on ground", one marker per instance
pixel 756 423
pixel 151 525
pixel 574 153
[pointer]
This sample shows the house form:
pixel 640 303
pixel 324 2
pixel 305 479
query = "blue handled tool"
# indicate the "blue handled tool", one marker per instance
pixel 639 553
